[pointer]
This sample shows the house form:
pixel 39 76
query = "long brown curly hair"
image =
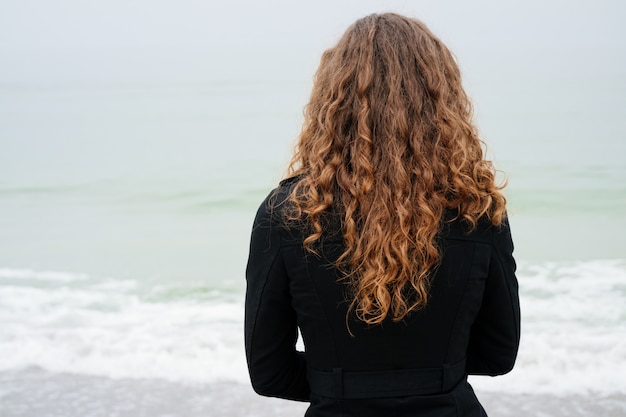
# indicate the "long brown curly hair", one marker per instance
pixel 388 141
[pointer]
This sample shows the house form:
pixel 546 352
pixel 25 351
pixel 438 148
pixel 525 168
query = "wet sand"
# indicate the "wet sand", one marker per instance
pixel 37 393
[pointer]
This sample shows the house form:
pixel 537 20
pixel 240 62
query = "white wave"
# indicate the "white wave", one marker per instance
pixel 116 334
pixel 41 275
pixel 573 330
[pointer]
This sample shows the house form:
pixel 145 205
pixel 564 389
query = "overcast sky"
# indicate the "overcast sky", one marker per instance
pixel 119 23
pixel 42 39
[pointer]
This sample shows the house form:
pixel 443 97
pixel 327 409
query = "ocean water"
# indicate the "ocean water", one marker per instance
pixel 125 213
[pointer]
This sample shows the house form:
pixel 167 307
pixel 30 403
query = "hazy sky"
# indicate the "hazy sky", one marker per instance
pixel 121 23
pixel 42 39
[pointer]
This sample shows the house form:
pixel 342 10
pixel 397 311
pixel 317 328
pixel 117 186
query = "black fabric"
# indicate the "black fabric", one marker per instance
pixel 472 313
pixel 338 384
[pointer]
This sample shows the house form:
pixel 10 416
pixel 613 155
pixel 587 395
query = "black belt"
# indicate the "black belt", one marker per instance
pixel 340 384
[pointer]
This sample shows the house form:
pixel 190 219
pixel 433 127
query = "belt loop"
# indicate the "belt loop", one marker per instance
pixel 452 374
pixel 338 382
pixel 445 377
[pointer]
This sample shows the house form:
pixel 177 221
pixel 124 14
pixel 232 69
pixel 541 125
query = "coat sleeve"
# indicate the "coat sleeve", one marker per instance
pixel 495 334
pixel 276 368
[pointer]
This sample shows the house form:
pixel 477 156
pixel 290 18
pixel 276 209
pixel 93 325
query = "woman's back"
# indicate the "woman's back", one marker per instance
pixel 388 246
pixel 471 320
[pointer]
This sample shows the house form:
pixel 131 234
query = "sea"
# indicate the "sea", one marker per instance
pixel 126 207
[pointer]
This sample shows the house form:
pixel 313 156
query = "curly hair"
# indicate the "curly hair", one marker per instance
pixel 388 141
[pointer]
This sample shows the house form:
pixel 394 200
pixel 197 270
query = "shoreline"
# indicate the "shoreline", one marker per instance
pixel 34 392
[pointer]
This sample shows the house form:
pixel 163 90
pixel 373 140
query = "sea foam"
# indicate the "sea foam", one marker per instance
pixel 573 329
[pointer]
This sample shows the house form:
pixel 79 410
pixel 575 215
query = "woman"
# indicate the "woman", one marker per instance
pixel 388 246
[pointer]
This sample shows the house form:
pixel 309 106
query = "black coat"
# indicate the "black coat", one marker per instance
pixel 416 367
